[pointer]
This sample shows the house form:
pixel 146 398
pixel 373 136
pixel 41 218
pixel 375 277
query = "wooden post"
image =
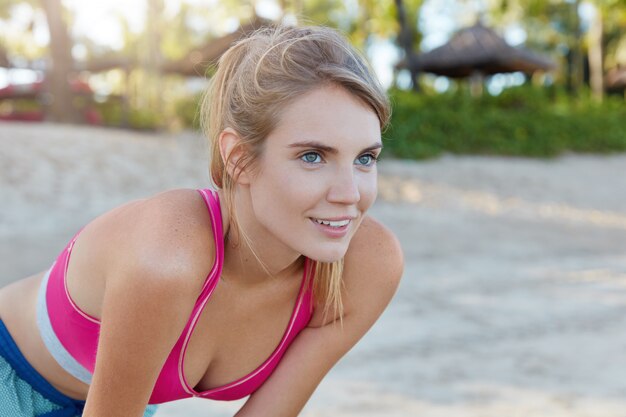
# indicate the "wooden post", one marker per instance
pixel 61 107
pixel 596 71
pixel 405 39
pixel 476 82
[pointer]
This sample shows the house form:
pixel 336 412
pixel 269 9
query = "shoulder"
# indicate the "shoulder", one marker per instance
pixel 375 247
pixel 376 252
pixel 373 267
pixel 166 238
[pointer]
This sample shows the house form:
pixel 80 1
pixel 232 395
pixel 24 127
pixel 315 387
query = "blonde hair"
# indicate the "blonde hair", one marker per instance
pixel 255 79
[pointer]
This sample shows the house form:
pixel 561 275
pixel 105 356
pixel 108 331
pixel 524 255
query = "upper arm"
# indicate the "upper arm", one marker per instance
pixel 143 313
pixel 372 271
pixel 151 285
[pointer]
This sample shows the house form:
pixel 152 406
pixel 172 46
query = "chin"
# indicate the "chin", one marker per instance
pixel 327 254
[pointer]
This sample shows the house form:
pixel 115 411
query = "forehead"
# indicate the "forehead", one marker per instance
pixel 329 115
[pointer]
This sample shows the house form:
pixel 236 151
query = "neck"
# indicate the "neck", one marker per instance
pixel 252 254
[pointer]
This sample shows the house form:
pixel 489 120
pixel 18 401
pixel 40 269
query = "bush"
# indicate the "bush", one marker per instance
pixel 144 119
pixel 522 121
pixel 111 112
pixel 113 115
pixel 188 111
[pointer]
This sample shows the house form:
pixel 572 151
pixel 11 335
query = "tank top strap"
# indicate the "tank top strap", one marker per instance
pixel 212 202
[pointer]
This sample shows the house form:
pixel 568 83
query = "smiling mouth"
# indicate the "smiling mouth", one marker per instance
pixel 332 223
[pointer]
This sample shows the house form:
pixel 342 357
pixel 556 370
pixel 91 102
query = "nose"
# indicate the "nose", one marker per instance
pixel 344 187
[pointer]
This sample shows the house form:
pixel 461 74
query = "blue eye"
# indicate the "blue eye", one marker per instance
pixel 311 157
pixel 366 160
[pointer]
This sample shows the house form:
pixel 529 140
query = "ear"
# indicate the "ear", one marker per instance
pixel 231 151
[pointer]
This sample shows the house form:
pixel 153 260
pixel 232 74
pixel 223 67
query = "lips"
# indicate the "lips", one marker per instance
pixel 332 223
pixel 334 227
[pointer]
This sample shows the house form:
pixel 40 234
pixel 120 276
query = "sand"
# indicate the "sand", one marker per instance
pixel 513 300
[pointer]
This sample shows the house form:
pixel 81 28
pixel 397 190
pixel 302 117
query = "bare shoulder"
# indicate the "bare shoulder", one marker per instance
pixel 167 237
pixel 375 246
pixel 158 252
pixel 373 266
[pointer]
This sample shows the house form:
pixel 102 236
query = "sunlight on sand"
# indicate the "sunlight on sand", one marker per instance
pixel 513 301
pixel 398 189
pixel 475 399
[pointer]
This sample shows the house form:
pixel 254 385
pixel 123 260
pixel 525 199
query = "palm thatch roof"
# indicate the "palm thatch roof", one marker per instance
pixel 194 64
pixel 478 49
pixel 198 60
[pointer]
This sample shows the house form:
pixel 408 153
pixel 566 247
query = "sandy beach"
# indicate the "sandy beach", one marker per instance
pixel 513 300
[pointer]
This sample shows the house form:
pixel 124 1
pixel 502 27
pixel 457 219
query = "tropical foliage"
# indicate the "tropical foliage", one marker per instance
pixel 587 38
pixel 522 121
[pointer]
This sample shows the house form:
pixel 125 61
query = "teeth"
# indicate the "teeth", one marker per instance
pixel 339 223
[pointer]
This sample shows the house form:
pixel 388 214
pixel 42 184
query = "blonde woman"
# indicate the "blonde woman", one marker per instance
pixel 256 288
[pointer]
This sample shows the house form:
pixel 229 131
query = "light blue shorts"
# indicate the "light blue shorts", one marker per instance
pixel 25 393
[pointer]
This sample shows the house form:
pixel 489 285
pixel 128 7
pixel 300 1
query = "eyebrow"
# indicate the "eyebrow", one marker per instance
pixel 329 149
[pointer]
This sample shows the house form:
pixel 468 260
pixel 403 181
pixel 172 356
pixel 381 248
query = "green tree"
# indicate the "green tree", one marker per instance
pixel 604 37
pixel 406 39
pixel 555 25
pixel 20 44
pixel 61 109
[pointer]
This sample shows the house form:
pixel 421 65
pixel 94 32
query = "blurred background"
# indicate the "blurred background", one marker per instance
pixel 503 176
pixel 542 74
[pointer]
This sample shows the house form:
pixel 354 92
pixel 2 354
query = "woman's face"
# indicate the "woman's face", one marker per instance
pixel 316 176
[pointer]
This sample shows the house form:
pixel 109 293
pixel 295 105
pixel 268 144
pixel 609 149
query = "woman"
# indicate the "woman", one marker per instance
pixel 257 288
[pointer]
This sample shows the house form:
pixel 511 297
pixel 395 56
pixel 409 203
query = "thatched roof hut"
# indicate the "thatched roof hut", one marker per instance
pixel 478 49
pixel 194 64
pixel 197 61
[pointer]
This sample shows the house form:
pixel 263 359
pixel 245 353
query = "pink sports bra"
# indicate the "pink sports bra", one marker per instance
pixel 71 335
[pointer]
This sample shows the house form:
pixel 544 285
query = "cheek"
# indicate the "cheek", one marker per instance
pixel 368 189
pixel 281 189
pixel 290 185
